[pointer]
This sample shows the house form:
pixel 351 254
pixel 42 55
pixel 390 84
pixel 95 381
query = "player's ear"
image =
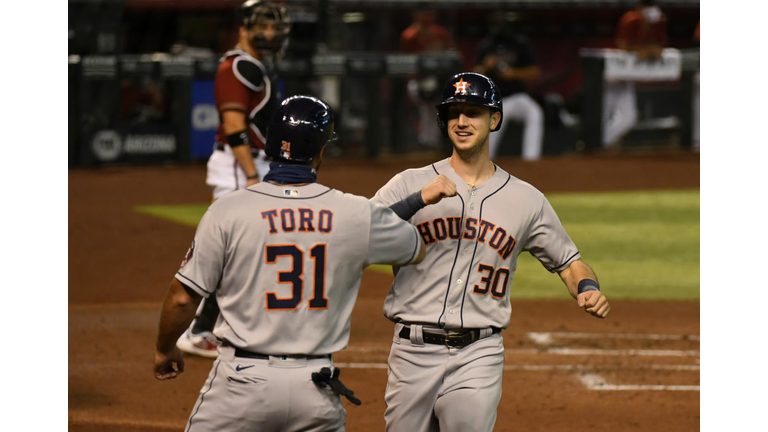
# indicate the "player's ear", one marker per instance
pixel 319 158
pixel 495 118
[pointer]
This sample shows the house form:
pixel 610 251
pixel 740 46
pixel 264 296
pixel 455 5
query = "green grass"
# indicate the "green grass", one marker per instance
pixel 185 214
pixel 642 245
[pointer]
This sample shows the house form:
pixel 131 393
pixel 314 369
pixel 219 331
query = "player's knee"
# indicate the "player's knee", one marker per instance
pixel 454 414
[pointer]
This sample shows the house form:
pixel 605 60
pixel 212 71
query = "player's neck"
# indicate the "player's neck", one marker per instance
pixel 245 46
pixel 473 169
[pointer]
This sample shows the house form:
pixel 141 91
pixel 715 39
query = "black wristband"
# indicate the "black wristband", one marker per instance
pixel 238 139
pixel 409 206
pixel 254 176
pixel 588 285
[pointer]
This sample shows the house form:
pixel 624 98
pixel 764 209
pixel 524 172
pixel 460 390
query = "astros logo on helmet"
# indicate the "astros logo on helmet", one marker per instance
pixel 461 86
pixel 476 90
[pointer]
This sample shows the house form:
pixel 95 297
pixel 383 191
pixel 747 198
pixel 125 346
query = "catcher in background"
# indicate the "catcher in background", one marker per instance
pixel 245 93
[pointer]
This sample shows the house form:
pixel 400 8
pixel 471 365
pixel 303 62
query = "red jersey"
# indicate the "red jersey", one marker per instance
pixel 245 84
pixel 633 30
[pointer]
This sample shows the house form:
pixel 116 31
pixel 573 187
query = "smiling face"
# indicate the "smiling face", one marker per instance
pixel 469 126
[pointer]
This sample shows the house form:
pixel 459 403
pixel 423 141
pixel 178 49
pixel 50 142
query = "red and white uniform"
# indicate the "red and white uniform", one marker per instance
pixel 245 84
pixel 619 99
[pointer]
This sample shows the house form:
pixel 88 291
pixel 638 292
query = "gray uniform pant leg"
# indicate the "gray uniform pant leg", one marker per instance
pixel 436 388
pixel 265 395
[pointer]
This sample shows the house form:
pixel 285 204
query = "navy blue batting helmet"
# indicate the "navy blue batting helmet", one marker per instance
pixel 472 88
pixel 299 129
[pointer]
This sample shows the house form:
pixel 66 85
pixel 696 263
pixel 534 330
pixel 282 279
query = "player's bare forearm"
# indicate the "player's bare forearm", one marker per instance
pixel 178 312
pixel 592 300
pixel 245 159
pixel 574 273
pixel 234 121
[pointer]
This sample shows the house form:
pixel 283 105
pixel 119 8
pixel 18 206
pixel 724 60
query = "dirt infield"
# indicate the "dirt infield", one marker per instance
pixel 641 372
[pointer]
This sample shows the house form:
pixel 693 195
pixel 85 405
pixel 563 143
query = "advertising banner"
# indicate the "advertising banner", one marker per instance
pixel 204 119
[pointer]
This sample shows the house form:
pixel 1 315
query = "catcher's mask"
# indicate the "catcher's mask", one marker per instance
pixel 254 12
pixel 299 129
pixel 472 88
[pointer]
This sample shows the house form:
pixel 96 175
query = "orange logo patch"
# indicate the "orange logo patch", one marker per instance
pixel 286 146
pixel 461 86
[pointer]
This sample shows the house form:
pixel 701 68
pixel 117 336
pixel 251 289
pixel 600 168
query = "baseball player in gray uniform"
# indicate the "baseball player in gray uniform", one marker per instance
pixel 284 258
pixel 447 356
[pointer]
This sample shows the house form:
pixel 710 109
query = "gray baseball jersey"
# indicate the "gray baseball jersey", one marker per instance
pixel 285 264
pixel 473 241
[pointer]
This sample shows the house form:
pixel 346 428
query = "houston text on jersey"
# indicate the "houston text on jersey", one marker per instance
pixel 450 228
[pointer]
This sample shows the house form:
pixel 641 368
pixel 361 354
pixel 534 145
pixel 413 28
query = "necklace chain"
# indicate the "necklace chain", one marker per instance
pixel 471 185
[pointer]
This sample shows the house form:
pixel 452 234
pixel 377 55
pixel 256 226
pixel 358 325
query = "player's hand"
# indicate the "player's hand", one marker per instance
pixel 167 366
pixel 251 182
pixel 594 303
pixel 438 189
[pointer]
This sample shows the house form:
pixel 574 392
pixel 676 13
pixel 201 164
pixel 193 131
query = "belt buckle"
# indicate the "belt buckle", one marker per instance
pixel 454 340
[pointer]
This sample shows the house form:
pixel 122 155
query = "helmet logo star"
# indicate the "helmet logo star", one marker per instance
pixel 461 86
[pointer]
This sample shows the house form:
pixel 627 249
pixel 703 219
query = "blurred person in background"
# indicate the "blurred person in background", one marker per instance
pixel 508 58
pixel 246 96
pixel 424 35
pixel 642 31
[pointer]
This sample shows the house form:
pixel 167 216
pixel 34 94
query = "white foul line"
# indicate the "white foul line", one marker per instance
pixel 544 367
pixel 563 351
pixel 549 336
pixel 596 382
pixel 606 352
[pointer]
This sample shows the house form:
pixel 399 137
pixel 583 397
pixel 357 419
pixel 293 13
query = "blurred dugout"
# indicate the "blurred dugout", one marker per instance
pixel 347 52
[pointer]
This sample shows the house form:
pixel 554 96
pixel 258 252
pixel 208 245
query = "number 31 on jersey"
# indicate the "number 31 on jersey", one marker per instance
pixel 294 276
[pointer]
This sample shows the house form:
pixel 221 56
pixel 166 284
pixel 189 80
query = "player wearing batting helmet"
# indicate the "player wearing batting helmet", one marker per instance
pixel 246 95
pixel 284 258
pixel 447 357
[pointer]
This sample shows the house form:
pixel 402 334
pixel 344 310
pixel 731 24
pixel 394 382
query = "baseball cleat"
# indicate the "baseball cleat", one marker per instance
pixel 203 344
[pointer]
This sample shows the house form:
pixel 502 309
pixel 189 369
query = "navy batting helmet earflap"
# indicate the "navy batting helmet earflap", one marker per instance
pixel 472 88
pixel 299 129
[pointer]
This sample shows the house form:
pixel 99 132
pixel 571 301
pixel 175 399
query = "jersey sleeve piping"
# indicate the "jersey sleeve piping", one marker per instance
pixel 243 79
pixel 416 248
pixel 566 263
pixel 200 290
pixel 232 106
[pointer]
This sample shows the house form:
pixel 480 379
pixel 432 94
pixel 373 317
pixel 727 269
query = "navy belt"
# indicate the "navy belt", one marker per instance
pixel 452 340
